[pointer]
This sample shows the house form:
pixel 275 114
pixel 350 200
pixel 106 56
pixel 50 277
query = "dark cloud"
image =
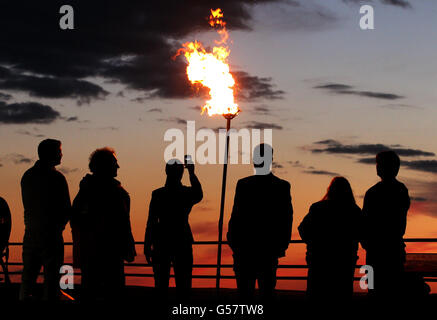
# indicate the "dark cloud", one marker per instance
pixel 71 119
pixel 335 147
pixel 16 158
pixel 338 88
pixel 109 128
pixel 262 110
pixel 262 125
pixel 422 165
pixel 418 165
pixel 131 44
pixel 292 16
pixel 176 120
pixel 321 172
pixel 140 99
pixel 310 169
pixel 51 87
pixel 398 3
pixel 66 170
pixel 27 112
pixel 367 160
pixel 296 164
pixel 155 110
pixel 327 141
pixel 251 88
pixel 334 87
pixel 31 134
pixel 5 96
pixel 277 165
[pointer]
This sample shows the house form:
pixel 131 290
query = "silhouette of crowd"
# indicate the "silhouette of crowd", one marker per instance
pixel 259 230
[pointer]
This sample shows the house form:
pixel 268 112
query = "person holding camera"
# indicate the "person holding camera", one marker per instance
pixel 168 238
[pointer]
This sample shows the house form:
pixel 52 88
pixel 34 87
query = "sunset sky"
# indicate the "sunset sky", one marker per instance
pixel 333 94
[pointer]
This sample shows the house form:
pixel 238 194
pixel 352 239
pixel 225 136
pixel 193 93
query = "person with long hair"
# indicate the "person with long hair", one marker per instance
pixel 332 231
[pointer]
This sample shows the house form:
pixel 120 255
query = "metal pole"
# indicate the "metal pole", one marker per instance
pixel 222 205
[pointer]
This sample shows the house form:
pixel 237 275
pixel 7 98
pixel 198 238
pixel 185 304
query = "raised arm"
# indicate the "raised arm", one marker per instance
pixel 196 187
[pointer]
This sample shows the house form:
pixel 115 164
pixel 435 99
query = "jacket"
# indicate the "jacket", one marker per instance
pixel 262 216
pixel 101 224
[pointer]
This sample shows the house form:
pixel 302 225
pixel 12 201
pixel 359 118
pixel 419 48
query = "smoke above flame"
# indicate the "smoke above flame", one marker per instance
pixel 211 69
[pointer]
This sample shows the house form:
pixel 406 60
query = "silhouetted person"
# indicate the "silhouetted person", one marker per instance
pixel 5 232
pixel 385 211
pixel 47 207
pixel 332 230
pixel 168 237
pixel 101 228
pixel 259 229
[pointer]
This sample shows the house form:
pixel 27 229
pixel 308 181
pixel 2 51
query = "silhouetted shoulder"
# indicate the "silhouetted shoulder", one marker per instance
pixel 246 180
pixel 319 206
pixel 373 188
pixel 158 192
pixel 27 174
pixel 255 179
pixel 59 175
pixel 120 187
pixel 281 182
pixel 402 186
pixel 324 205
pixel 31 172
pixel 382 186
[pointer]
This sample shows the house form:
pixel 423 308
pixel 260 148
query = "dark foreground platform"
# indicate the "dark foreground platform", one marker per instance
pixel 205 303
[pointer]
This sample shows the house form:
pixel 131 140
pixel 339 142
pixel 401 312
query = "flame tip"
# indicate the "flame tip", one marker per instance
pixel 211 70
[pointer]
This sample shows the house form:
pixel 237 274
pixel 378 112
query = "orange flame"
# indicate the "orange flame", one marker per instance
pixel 211 70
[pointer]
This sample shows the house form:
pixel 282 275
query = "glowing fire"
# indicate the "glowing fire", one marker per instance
pixel 211 70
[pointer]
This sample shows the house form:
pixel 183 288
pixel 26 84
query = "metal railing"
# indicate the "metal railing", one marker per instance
pixel 223 266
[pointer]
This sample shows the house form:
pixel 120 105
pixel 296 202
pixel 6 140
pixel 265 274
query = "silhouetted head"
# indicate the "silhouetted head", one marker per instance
pixel 340 190
pixel 50 152
pixel 262 158
pixel 387 164
pixel 103 162
pixel 174 170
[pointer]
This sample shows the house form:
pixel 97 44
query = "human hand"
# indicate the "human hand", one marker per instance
pixel 190 168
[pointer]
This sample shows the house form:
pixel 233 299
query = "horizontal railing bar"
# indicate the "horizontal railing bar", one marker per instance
pixel 225 242
pixel 201 266
pixel 199 276
pixel 284 266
